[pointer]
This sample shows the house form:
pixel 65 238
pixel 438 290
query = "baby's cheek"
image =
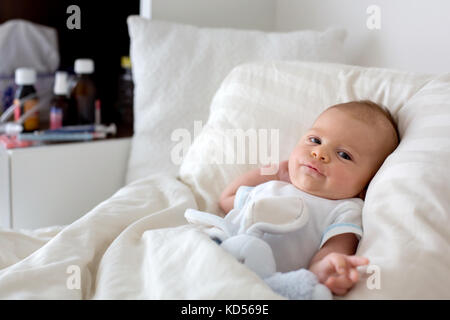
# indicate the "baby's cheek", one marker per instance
pixel 294 154
pixel 347 180
pixel 356 183
pixel 293 159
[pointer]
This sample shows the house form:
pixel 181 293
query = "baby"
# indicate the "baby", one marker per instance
pixel 330 169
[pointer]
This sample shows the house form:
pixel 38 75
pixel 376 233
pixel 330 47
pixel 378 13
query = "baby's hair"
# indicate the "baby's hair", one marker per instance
pixel 368 112
pixel 385 112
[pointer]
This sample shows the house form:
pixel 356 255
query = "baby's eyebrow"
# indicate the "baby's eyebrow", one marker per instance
pixel 314 130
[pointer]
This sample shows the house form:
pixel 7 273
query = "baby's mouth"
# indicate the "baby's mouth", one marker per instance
pixel 312 168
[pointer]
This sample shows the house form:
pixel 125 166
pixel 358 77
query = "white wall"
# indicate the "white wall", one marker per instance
pixel 414 34
pixel 247 14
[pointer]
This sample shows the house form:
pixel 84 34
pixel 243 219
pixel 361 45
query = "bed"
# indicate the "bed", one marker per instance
pixel 191 85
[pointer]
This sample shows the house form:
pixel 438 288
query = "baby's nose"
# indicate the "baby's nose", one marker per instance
pixel 320 155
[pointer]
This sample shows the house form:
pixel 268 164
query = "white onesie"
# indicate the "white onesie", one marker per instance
pixel 327 218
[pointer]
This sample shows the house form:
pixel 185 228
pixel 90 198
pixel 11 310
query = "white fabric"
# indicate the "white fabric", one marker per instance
pixel 406 211
pixel 178 68
pixel 17 245
pixel 26 44
pixel 124 249
pixel 294 250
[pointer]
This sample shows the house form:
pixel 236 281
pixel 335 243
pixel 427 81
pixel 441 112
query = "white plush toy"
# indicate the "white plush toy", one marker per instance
pixel 245 243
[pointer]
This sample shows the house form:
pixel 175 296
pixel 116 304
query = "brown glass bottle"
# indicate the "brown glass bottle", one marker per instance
pixel 124 103
pixel 25 79
pixel 84 92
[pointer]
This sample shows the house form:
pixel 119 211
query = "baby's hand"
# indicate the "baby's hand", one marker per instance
pixel 338 271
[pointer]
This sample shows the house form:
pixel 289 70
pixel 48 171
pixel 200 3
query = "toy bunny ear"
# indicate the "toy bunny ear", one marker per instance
pixel 278 215
pixel 208 219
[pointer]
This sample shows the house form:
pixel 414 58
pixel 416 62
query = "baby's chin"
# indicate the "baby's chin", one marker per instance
pixel 320 186
pixel 322 193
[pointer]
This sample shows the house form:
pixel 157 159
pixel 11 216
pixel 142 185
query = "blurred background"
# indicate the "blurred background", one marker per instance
pixel 103 37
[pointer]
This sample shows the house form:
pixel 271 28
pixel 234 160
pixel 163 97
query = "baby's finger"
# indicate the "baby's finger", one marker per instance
pixel 339 291
pixel 353 275
pixel 339 282
pixel 339 262
pixel 356 261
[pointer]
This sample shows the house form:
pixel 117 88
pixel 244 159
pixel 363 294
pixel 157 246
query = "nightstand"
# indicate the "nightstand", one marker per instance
pixel 57 184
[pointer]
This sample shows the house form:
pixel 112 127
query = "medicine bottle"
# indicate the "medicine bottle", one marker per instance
pixel 25 79
pixel 124 103
pixel 84 92
pixel 59 110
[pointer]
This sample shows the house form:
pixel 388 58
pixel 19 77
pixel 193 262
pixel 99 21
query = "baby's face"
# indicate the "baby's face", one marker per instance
pixel 337 157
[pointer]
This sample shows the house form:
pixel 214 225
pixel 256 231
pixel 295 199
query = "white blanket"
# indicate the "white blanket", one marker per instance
pixel 136 245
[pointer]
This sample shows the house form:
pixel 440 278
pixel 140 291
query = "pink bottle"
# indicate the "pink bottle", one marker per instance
pixel 56 118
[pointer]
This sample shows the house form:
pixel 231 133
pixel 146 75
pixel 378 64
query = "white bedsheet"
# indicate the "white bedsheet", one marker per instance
pixel 136 245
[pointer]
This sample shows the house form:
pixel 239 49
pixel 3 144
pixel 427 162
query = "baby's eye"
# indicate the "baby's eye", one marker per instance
pixel 344 155
pixel 314 140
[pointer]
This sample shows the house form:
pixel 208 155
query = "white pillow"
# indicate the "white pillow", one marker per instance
pixel 178 68
pixel 406 212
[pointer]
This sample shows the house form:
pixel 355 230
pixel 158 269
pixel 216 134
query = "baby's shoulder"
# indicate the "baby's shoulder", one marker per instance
pixel 351 204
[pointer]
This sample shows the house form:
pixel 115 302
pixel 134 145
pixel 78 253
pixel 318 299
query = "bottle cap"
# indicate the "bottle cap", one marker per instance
pixel 25 76
pixel 84 66
pixel 125 62
pixel 61 87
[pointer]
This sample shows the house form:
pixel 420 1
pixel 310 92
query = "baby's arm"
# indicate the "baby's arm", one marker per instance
pixel 335 265
pixel 251 178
